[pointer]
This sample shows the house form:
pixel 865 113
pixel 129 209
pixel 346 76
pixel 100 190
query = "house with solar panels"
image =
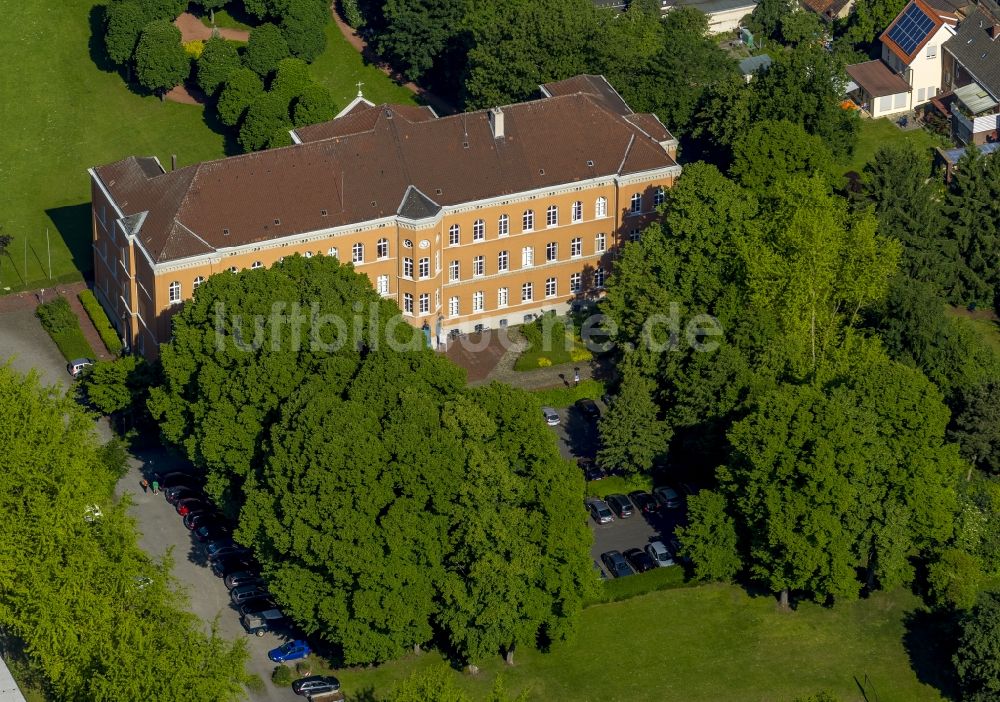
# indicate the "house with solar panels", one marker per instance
pixel 971 70
pixel 909 72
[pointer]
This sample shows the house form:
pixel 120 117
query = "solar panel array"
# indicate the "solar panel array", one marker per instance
pixel 911 29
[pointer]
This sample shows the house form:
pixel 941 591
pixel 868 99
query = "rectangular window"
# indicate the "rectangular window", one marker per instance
pixel 601 209
pixel 528 220
pixel 437 299
pixel 527 257
pixel 550 287
pixel 452 306
pixel 577 211
pixel 358 253
pixel 502 295
pixel 477 301
pixel 503 261
pixel 453 271
pixel 900 101
pixel 425 303
pixel 885 103
pixel 454 234
pixel 600 243
pixel 503 225
pixel 575 282
pixel 332 251
pixel 659 195
pixel 407 303
pixel 527 292
pixel 636 205
pixel 551 251
pixel 479 265
pixel 407 267
pixel 931 51
pixel 599 277
pixel 551 216
pixel 382 284
pixel 920 94
pixel 634 235
pixel 478 230
pixel 437 261
pixel 576 247
pixel 424 268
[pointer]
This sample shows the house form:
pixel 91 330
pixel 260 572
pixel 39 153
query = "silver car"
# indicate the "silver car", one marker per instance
pixel 600 511
pixel 660 554
pixel 551 416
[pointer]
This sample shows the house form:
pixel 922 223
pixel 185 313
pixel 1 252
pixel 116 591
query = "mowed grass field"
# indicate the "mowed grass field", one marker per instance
pixel 63 110
pixel 876 133
pixel 707 644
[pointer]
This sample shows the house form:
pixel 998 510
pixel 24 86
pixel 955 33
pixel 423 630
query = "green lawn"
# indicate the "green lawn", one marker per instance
pixel 987 328
pixel 225 18
pixel 878 132
pixel 566 396
pixel 706 644
pixel 61 114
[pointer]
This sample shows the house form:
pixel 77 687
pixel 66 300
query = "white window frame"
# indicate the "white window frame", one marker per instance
pixel 577 212
pixel 601 208
pixel 382 249
pixel 407 303
pixel 174 292
pixel 601 242
pixel 197 282
pixel 635 204
pixel 527 257
pixel 479 230
pixel 478 266
pixel 503 225
pixel 424 267
pixel 527 292
pixel 503 261
pixel 552 216
pixel 454 235
pixel 659 196
pixel 332 251
pixel 599 277
pixel 358 253
pixel 407 267
pixel 453 306
pixel 551 287
pixel 256 265
pixel 575 282
pixel 454 271
pixel 576 247
pixel 551 251
pixel 528 221
pixel 424 303
pixel 478 300
pixel 503 295
pixel 382 285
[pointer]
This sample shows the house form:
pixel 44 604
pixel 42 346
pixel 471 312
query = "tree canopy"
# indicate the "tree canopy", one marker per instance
pixel 160 61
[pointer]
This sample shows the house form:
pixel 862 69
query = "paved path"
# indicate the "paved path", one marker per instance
pixel 29 300
pixel 192 29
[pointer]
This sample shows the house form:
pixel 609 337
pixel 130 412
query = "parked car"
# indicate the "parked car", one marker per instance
pixel 259 623
pixel 620 505
pixel 639 560
pixel 232 564
pixel 688 489
pixel 191 504
pixel 245 593
pixel 213 548
pixel 660 554
pixel 240 578
pixel 290 651
pixel 169 480
pixel 600 571
pixel 315 685
pixel 257 605
pixel 600 511
pixel 551 416
pixel 204 517
pixel 181 492
pixel 667 497
pixel 644 502
pixel 227 551
pixel 77 366
pixel 616 564
pixel 211 531
pixel 589 409
pixel 590 469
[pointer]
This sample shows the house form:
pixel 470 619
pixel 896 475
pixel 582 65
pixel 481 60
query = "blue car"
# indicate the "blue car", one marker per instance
pixel 291 651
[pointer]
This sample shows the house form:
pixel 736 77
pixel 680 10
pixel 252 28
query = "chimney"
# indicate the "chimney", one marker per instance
pixel 173 162
pixel 496 122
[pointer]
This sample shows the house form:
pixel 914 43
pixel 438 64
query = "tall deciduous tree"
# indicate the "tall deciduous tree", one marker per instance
pixel 632 434
pixel 977 660
pixel 267 46
pixel 976 425
pixel 217 61
pixel 418 33
pixel 303 26
pixel 314 105
pixel 772 151
pixel 160 61
pixel 125 20
pixel 266 116
pixel 709 539
pixel 241 88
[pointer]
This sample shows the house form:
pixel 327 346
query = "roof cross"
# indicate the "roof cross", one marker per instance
pixel 360 83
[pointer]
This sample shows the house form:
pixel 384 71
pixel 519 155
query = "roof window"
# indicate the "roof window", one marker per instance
pixel 322 213
pixel 590 164
pixel 277 221
pixel 225 232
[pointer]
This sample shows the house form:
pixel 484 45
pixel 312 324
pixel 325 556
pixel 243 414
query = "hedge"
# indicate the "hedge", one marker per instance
pixel 617 589
pixel 566 396
pixel 62 325
pixel 101 322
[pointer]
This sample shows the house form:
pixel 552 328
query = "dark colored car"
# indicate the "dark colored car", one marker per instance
pixel 220 546
pixel 668 497
pixel 232 564
pixel 181 492
pixel 227 551
pixel 240 578
pixel 204 517
pixel 191 504
pixel 211 531
pixel 257 605
pixel 170 480
pixel 600 571
pixel 589 409
pixel 644 502
pixel 600 511
pixel 639 560
pixel 591 471
pixel 315 684
pixel 245 593
pixel 674 544
pixel 620 505
pixel 616 564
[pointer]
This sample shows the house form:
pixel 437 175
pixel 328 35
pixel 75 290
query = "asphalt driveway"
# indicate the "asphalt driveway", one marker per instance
pixel 29 347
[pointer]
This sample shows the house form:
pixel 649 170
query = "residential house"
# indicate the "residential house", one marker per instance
pixel 909 72
pixel 829 10
pixel 483 218
pixel 971 70
pixel 723 15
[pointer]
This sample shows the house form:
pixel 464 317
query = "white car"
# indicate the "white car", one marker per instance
pixel 659 553
pixel 551 416
pixel 77 366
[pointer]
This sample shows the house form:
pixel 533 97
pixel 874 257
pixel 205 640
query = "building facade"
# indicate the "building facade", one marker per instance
pixel 483 218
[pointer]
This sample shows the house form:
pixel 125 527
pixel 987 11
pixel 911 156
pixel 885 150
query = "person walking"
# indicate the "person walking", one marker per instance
pixel 145 485
pixel 576 376
pixel 156 487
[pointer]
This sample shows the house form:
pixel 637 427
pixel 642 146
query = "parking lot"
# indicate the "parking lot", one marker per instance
pixel 578 438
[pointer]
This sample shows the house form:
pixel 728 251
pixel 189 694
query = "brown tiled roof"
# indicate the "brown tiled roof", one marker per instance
pixel 366 171
pixel 876 79
pixel 361 118
pixel 595 86
pixel 829 8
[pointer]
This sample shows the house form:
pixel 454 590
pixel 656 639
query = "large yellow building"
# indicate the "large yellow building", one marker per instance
pixel 482 218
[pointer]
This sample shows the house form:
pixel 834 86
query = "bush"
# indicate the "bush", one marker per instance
pixel 282 676
pixel 544 362
pixel 194 49
pixel 579 355
pixel 101 322
pixel 57 316
pixel 352 13
pixel 114 456
pixel 618 589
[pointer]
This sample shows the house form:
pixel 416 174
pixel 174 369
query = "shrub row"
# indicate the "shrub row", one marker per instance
pixel 564 397
pixel 618 589
pixel 101 322
pixel 62 325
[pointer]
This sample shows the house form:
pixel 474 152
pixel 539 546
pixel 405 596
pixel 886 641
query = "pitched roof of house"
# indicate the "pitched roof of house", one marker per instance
pixel 876 79
pixel 751 65
pixel 380 162
pixel 588 84
pixel 828 8
pixel 914 26
pixel 976 45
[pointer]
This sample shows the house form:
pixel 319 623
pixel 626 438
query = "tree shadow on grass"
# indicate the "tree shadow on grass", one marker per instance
pixel 98 51
pixel 72 222
pixel 230 135
pixel 930 641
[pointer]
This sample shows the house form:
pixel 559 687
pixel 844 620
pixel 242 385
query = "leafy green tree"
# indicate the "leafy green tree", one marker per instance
pixel 241 88
pixel 518 45
pixel 437 683
pixel 290 78
pixel 974 213
pixel 977 660
pixel 418 33
pixel 125 20
pixel 726 112
pixel 120 388
pixel 801 27
pixel 303 25
pixel 709 539
pixel 217 61
pixel 955 579
pixel 160 61
pixel 769 16
pixel 976 425
pixel 314 105
pixel 632 434
pixel 266 47
pixel 267 114
pixel 868 20
pixel 164 9
pixel 772 151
